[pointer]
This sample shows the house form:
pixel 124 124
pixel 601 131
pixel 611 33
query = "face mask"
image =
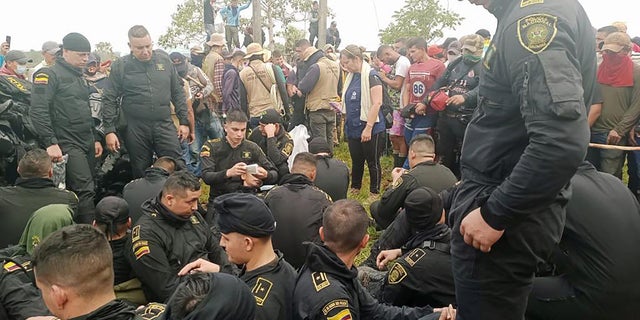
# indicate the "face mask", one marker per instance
pixel 89 73
pixel 469 58
pixel 613 57
pixel 182 73
pixel 21 69
pixel 452 57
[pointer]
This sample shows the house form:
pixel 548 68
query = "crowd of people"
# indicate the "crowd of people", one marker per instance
pixel 492 211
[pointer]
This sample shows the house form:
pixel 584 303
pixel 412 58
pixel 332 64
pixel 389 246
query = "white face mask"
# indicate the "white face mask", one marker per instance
pixel 451 57
pixel 21 69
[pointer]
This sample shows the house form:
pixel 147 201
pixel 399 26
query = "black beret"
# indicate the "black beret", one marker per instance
pixel 270 116
pixel 245 214
pixel 76 42
pixel 423 207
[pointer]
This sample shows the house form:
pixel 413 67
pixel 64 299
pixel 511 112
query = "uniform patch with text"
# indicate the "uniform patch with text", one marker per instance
pixel 320 280
pixel 537 31
pixel 414 256
pixel 261 290
pixel 41 78
pixel 397 274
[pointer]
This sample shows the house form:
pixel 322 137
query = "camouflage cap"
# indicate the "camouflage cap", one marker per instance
pixel 616 42
pixel 473 43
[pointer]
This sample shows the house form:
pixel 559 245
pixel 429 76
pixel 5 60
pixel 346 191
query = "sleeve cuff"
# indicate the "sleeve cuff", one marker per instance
pixel 184 123
pixel 494 221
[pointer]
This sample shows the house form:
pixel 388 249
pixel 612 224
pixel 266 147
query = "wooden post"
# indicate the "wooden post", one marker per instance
pixel 256 21
pixel 322 23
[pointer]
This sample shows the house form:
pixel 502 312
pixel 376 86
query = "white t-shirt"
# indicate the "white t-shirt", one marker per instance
pixel 402 70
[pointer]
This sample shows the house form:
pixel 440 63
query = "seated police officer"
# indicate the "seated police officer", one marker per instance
pixel 169 235
pixel 140 190
pixel 274 140
pixel 327 287
pixel 332 174
pixel 421 274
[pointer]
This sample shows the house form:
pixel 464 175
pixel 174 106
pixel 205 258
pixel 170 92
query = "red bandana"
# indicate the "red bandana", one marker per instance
pixel 616 70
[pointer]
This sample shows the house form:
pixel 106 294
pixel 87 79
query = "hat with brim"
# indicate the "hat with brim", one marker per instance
pixel 617 42
pixel 217 39
pixel 473 43
pixel 18 56
pixel 254 49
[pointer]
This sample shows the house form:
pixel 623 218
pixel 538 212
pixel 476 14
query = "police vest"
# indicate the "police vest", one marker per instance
pixel 258 84
pixel 326 89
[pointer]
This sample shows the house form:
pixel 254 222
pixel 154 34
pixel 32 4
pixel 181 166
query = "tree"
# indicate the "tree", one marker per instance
pixel 283 12
pixel 186 27
pixel 105 51
pixel 291 35
pixel 420 18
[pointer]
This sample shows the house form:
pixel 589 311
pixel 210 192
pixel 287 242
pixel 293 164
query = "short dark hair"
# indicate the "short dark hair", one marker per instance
pixel 167 163
pixel 423 144
pixel 302 43
pixel 418 42
pixel 401 40
pixel 608 29
pixel 344 224
pixel 276 53
pixel 77 256
pixel 36 163
pixel 382 48
pixel 180 182
pixel 304 162
pixel 236 116
pixel 138 31
pixel 189 294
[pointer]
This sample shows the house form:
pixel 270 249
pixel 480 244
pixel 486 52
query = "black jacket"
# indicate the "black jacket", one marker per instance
pixel 140 190
pixel 530 132
pixel 332 177
pixel 146 89
pixel 60 109
pixel 122 271
pixel 19 202
pixel 326 289
pixel 19 297
pixel 278 149
pixel 462 78
pixel 272 286
pixel 162 243
pixel 114 310
pixel 297 204
pixel 217 156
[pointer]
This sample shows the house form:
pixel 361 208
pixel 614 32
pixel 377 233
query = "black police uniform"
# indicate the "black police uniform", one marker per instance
pixel 140 190
pixel 462 78
pixel 425 174
pixel 61 115
pixel 332 177
pixel 523 144
pixel 272 286
pixel 162 243
pixel 278 149
pixel 17 203
pixel 596 262
pixel 421 276
pixel 114 310
pixel 297 202
pixel 218 156
pixel 326 289
pixel 145 90
pixel 19 297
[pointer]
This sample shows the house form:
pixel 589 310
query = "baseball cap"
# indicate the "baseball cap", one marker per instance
pixel 112 210
pixel 473 42
pixel 50 47
pixel 454 48
pixel 434 50
pixel 17 55
pixel 93 58
pixel 484 33
pixel 270 116
pixel 616 42
pixel 177 57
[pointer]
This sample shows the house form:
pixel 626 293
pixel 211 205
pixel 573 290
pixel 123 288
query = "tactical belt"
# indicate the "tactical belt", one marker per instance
pixel 439 246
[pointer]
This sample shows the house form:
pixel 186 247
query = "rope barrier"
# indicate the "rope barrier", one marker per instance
pixel 612 147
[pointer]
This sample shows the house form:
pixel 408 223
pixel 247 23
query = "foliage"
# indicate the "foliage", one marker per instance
pixel 283 13
pixel 186 27
pixel 105 51
pixel 420 18
pixel 291 35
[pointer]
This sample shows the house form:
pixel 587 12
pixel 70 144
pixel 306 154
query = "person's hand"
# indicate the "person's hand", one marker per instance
pixel 237 170
pixel 113 144
pixel 632 137
pixel 251 180
pixel 446 313
pixel 54 153
pixel 270 130
pixel 183 132
pixel 456 100
pixel 396 173
pixel 291 90
pixel 478 233
pixel 421 109
pixel 613 137
pixel 366 134
pixel 191 138
pixel 386 256
pixel 262 173
pixel 98 147
pixel 198 95
pixel 199 265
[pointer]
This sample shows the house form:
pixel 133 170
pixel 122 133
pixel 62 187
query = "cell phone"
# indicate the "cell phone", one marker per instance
pixel 7 39
pixel 252 169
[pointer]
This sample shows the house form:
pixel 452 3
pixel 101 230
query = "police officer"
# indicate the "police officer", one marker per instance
pixel 460 79
pixel 224 161
pixel 19 297
pixel 274 140
pixel 327 287
pixel 247 224
pixel 145 82
pixel 169 235
pixel 61 115
pixel 425 172
pixel 523 144
pixel 422 274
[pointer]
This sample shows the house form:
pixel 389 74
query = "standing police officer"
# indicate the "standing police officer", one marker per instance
pixel 526 139
pixel 146 82
pixel 62 117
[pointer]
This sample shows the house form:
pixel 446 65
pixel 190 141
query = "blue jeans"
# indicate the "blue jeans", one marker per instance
pixel 418 125
pixel 608 161
pixel 203 131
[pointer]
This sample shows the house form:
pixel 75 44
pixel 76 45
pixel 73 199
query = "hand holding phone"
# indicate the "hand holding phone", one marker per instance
pixel 252 168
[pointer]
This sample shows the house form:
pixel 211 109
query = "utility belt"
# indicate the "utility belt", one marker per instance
pixel 438 246
pixel 462 117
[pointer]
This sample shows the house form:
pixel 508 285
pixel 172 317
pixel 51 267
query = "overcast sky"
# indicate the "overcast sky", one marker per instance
pixel 358 20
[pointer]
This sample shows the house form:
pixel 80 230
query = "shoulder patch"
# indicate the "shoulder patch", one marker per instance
pixel 141 251
pixel 320 280
pixel 11 266
pixel 397 183
pixel 338 303
pixel 41 78
pixel 396 274
pixel 288 148
pixel 526 3
pixel 537 31
pixel 194 220
pixel 414 256
pixel 152 311
pixel 261 290
pixel 205 151
pixel 214 140
pixel 344 314
pixel 135 234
